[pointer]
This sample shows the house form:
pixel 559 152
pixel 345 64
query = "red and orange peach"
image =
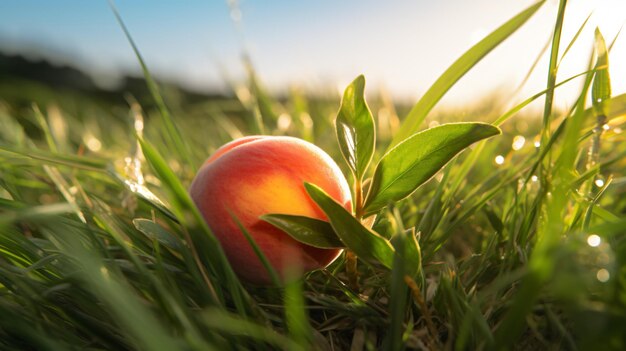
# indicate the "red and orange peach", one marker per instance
pixel 258 175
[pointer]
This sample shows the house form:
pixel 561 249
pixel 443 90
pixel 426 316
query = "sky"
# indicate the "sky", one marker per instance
pixel 399 45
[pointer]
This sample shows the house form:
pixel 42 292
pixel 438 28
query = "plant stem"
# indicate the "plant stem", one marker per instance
pixel 351 258
pixel 419 299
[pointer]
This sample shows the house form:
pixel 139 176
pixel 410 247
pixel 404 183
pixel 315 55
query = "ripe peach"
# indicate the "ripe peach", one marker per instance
pixel 258 175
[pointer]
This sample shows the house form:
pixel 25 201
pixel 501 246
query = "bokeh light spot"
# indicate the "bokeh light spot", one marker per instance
pixel 594 240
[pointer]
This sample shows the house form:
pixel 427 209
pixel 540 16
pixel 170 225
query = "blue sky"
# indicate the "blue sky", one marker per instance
pixel 401 45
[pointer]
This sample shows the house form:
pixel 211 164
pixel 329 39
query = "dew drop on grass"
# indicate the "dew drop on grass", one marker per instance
pixel 599 183
pixel 499 159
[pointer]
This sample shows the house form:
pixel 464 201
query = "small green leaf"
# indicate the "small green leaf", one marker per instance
pixel 355 128
pixel 601 88
pixel 154 231
pixel 457 70
pixel 412 162
pixel 366 243
pixel 306 230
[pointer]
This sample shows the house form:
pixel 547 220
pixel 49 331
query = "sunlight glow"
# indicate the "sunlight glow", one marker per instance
pixel 594 240
pixel 599 183
pixel 499 159
pixel 609 17
pixel 284 121
pixel 518 142
pixel 93 144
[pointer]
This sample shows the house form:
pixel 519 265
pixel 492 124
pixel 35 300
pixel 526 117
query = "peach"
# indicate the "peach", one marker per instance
pixel 258 175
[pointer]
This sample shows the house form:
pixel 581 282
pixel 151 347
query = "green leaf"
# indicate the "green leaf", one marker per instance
pixel 154 231
pixel 366 243
pixel 412 162
pixel 311 231
pixel 601 88
pixel 457 70
pixel 355 128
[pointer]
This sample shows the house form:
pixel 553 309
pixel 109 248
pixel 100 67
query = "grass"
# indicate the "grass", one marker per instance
pixel 102 248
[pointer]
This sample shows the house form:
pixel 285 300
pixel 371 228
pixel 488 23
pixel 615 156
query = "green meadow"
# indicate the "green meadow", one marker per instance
pixel 509 234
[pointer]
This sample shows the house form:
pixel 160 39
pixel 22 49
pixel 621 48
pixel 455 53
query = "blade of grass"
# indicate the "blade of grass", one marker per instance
pixel 173 134
pixel 457 70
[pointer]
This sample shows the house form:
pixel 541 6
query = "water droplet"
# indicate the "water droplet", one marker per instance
pixel 534 178
pixel 599 183
pixel 499 159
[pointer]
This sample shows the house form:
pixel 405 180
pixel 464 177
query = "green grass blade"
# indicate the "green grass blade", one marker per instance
pixel 139 322
pixel 296 316
pixel 155 231
pixel 258 252
pixel 552 70
pixel 173 134
pixel 457 70
pixel 574 39
pixel 182 203
pixel 35 212
pixel 229 323
pixel 601 87
pixel 80 162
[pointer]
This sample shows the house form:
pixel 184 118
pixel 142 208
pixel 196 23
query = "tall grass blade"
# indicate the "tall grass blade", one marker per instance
pixel 173 135
pixel 457 70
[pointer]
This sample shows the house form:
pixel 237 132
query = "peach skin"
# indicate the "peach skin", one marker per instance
pixel 258 175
